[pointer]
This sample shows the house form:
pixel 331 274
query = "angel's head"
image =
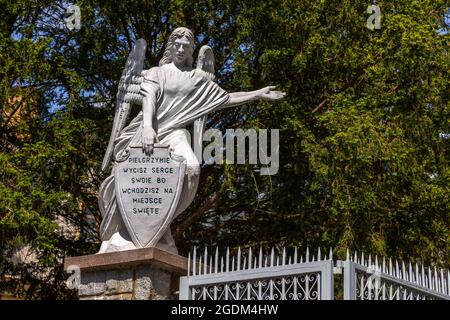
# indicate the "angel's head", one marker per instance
pixel 179 48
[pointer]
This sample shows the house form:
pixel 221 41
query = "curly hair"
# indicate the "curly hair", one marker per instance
pixel 178 33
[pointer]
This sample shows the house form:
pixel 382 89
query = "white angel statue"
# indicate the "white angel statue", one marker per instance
pixel 173 95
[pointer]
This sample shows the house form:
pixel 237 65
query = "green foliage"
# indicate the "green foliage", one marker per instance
pixel 362 165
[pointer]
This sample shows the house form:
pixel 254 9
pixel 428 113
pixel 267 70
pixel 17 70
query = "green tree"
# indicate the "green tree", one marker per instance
pixel 362 163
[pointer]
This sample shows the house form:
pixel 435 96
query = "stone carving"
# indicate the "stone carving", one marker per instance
pixel 172 95
pixel 147 191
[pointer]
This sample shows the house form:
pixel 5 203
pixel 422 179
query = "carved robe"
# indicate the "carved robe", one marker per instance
pixel 181 98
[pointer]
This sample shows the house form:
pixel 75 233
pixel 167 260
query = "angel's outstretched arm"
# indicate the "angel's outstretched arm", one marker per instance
pixel 267 93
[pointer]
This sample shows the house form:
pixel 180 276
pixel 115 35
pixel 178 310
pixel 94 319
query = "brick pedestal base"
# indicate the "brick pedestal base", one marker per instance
pixel 141 274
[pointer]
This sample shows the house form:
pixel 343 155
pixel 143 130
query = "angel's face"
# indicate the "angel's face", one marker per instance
pixel 180 50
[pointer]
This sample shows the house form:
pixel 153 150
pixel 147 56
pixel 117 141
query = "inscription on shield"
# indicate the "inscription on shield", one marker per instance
pixel 148 189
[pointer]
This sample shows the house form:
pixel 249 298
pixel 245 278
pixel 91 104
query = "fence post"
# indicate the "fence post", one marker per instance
pixel 327 282
pixel 184 288
pixel 349 280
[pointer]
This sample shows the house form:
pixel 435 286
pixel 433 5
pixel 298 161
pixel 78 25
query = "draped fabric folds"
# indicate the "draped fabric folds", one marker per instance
pixel 181 98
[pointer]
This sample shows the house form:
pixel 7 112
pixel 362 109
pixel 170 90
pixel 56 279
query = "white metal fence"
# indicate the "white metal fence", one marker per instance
pixel 259 275
pixel 368 279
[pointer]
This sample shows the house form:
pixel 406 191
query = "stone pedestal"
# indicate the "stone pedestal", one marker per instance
pixel 140 274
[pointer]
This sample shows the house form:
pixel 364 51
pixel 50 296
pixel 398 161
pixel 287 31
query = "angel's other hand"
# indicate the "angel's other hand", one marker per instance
pixel 149 137
pixel 268 93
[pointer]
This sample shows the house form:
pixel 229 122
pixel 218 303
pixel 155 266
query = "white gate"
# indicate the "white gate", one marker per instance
pixel 250 276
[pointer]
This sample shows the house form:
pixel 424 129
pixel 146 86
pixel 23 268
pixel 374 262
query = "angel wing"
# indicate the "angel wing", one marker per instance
pixel 127 94
pixel 205 62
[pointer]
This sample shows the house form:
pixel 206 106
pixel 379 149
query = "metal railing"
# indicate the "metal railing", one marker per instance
pixel 258 277
pixel 269 276
pixel 368 279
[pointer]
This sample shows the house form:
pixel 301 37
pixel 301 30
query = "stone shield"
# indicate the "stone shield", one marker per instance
pixel 148 189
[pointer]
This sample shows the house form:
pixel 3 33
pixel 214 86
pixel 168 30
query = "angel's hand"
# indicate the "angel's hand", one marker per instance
pixel 269 94
pixel 149 137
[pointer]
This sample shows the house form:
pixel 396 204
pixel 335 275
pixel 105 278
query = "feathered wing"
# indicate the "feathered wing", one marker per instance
pixel 205 62
pixel 127 94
